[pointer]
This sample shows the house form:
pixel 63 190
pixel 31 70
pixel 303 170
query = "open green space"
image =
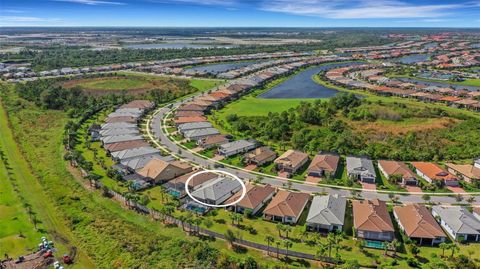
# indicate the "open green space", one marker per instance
pixel 466 82
pixel 115 84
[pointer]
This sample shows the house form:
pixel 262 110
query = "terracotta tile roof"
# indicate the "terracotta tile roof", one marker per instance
pixel 156 166
pixel 396 168
pixel 195 181
pixel 371 215
pixel 260 154
pixel 467 170
pixel 141 104
pixel 181 120
pixel 286 203
pixel 324 162
pixel 291 158
pixel 433 171
pixel 450 99
pixel 121 119
pixel 418 222
pixel 214 139
pixel 255 195
pixel 188 114
pixel 126 145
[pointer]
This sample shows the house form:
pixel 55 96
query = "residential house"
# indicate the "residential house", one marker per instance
pixel 235 147
pixel 197 134
pixel 361 169
pixel 160 171
pixel 286 206
pixel 467 172
pixel 418 224
pixel 140 104
pixel 127 119
pixel 255 198
pixel 135 164
pixel 122 131
pixel 400 169
pixel 182 128
pixel 476 212
pixel 327 213
pixel 118 125
pixel 371 220
pixel 477 163
pixel 260 156
pixel 125 145
pixel 212 141
pixel 176 186
pixel 217 190
pixel 134 153
pixel 120 138
pixel 459 223
pixel 432 172
pixel 182 120
pixel 290 161
pixel 323 165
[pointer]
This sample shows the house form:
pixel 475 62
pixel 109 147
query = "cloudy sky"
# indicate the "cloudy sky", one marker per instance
pixel 229 13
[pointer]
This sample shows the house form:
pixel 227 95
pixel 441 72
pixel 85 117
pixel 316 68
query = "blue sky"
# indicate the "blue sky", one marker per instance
pixel 249 13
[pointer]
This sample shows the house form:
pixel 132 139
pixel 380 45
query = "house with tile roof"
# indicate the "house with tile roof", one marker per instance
pixel 466 172
pixel 477 163
pixel 418 224
pixel 286 206
pixel 290 161
pixel 182 128
pixel 372 221
pixel 459 223
pixel 160 171
pixel 432 172
pixel 327 213
pixel 218 190
pixel 260 156
pixel 197 134
pixel 323 165
pixel 391 168
pixel 236 147
pixel 361 169
pixel 212 141
pixel 255 198
pixel 134 153
pixel 176 186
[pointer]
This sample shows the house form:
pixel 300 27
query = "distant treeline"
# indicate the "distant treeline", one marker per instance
pixel 63 56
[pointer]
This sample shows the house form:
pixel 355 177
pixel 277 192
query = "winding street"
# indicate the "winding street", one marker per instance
pixel 157 134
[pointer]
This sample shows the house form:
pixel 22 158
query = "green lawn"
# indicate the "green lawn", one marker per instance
pixel 205 84
pixel 467 82
pixel 115 84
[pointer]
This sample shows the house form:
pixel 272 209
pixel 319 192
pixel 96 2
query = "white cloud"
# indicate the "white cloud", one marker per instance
pixel 13 11
pixel 198 2
pixel 27 19
pixel 359 9
pixel 92 2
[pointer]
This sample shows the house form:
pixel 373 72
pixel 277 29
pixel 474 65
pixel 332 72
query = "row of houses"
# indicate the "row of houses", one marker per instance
pixel 350 77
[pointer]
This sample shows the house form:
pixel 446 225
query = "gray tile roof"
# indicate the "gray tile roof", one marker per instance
pixel 236 145
pixel 120 138
pixel 140 162
pixel 119 131
pixel 459 219
pixel 327 210
pixel 199 133
pixel 134 153
pixel 194 125
pixel 118 125
pixel 217 188
pixel 360 166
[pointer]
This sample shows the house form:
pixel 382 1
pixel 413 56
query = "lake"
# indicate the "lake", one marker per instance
pixel 222 67
pixel 174 46
pixel 302 85
pixel 440 84
pixel 411 59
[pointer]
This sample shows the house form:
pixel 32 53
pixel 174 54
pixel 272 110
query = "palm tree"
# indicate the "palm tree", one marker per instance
pixel 304 233
pixel 443 247
pixel 321 250
pixel 230 237
pixel 277 243
pixel 280 228
pixel 287 244
pixel 287 230
pixel 330 241
pixel 454 248
pixel 269 239
pixel 182 220
pixel 394 245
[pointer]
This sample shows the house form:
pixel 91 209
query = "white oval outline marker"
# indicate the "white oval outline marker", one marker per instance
pixel 244 188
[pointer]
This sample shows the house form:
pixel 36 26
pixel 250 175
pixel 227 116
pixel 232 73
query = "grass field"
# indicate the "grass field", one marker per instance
pixel 115 84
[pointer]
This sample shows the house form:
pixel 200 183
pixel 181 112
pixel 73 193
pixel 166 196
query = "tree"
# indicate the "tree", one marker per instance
pixel 230 238
pixel 453 247
pixel 287 244
pixel 415 250
pixel 394 245
pixel 280 227
pixel 270 240
pixel 278 243
pixel 426 197
pixel 330 241
pixel 287 230
pixel 321 250
pixel 443 246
